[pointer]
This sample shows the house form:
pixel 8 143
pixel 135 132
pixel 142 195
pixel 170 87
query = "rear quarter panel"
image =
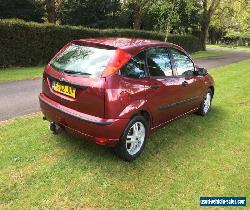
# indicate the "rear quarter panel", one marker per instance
pixel 124 97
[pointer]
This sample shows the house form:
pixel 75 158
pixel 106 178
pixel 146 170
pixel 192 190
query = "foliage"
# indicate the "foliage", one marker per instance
pixel 166 16
pixel 27 44
pixel 28 10
pixel 209 7
pixel 138 8
pixel 232 19
pixel 237 38
pixel 234 35
pixel 233 16
pixel 137 14
pixel 96 14
pixel 180 16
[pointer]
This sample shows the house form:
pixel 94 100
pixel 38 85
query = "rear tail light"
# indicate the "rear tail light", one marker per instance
pixel 101 141
pixel 116 62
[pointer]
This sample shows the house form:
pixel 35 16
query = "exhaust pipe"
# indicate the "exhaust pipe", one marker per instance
pixel 55 128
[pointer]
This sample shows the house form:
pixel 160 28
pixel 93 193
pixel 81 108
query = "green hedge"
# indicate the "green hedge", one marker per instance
pixel 28 44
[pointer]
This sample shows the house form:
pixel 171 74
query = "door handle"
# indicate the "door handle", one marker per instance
pixel 185 83
pixel 154 87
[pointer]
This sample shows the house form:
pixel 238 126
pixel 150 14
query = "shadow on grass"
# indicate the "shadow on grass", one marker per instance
pixel 165 142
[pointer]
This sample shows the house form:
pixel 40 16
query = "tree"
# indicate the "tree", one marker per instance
pixel 51 10
pixel 232 21
pixel 174 16
pixel 167 15
pixel 28 10
pixel 97 14
pixel 208 10
pixel 189 17
pixel 139 8
pixel 232 16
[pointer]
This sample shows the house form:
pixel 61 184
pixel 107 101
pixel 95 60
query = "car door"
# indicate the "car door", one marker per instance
pixel 190 87
pixel 160 86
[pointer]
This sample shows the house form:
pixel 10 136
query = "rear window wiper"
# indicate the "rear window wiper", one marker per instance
pixel 75 72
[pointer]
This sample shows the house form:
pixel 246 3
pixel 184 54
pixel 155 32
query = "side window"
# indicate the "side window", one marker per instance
pixel 159 62
pixel 135 68
pixel 183 64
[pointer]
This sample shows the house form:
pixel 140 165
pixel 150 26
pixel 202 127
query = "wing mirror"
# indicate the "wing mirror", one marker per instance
pixel 201 71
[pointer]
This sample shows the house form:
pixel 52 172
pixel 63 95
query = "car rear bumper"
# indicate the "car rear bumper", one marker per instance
pixel 101 131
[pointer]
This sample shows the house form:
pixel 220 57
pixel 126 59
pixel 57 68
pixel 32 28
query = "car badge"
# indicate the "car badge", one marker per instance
pixel 61 79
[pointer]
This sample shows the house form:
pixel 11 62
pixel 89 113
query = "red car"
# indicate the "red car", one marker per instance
pixel 116 91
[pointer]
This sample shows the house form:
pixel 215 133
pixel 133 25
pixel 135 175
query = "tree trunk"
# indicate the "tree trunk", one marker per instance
pixel 212 36
pixel 51 10
pixel 137 17
pixel 204 33
pixel 167 31
pixel 137 23
pixel 206 18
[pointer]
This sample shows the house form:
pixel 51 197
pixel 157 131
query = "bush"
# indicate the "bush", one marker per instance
pixel 22 9
pixel 238 38
pixel 28 44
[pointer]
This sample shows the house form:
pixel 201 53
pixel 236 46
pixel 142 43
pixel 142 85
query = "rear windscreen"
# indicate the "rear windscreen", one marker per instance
pixel 82 60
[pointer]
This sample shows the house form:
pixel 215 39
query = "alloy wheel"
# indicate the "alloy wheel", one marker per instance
pixel 207 103
pixel 135 138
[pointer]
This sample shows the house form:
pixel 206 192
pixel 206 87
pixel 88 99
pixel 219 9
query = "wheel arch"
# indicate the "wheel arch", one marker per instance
pixel 212 88
pixel 145 114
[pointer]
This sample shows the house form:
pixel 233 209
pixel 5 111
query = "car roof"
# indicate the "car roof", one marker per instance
pixel 132 46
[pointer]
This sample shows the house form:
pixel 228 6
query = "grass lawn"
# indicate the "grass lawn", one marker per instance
pixel 192 157
pixel 11 74
pixel 224 47
pixel 205 54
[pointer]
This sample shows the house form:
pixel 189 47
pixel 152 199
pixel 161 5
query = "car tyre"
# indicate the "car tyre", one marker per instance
pixel 206 103
pixel 133 140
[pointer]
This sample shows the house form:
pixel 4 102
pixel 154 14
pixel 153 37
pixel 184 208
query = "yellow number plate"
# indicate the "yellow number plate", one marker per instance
pixel 64 89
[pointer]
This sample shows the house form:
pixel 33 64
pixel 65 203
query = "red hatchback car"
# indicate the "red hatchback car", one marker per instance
pixel 116 91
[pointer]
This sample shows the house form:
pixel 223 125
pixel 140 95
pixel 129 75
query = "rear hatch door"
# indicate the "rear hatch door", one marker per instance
pixel 73 78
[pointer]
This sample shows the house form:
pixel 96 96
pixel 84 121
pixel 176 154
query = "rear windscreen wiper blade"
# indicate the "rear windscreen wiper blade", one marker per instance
pixel 75 72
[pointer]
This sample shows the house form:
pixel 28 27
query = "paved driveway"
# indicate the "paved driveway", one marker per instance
pixel 231 57
pixel 21 97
